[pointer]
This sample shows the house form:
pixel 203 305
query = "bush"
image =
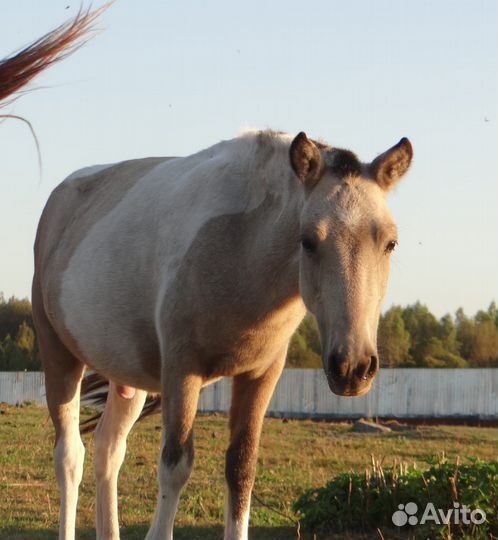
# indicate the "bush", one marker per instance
pixel 361 503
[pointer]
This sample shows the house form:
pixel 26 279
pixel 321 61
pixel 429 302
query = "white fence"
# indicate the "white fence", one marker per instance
pixel 398 393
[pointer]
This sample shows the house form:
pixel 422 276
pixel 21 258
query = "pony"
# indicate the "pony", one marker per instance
pixel 166 274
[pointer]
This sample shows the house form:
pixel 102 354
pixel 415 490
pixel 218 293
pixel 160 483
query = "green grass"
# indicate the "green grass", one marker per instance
pixel 295 456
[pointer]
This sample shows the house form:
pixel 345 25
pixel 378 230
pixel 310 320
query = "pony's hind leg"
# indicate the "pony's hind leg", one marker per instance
pixel 63 374
pixel 110 447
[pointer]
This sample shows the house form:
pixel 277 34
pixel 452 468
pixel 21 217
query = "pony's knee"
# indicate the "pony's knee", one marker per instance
pixel 102 460
pixel 109 453
pixel 69 455
pixel 177 461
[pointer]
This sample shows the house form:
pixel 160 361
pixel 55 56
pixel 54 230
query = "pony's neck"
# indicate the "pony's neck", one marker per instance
pixel 276 256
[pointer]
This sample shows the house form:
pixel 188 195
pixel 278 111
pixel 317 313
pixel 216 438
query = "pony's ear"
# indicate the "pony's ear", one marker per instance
pixel 390 166
pixel 306 160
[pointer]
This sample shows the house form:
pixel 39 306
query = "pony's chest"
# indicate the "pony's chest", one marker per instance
pixel 234 349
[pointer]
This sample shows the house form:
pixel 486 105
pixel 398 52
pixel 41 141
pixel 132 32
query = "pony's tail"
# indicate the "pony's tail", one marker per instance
pixel 18 69
pixel 94 391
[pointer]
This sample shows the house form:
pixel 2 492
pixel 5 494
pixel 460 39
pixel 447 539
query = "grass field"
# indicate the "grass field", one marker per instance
pixel 294 456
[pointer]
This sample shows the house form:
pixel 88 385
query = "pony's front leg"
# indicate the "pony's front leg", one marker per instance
pixel 250 399
pixel 180 394
pixel 110 447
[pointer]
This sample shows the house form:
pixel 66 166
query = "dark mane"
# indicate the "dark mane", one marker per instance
pixel 343 163
pixel 340 162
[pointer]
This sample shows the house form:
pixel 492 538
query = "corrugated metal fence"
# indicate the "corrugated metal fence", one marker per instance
pixel 398 392
pixel 16 387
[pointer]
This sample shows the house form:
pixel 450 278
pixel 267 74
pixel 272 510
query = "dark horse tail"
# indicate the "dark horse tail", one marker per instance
pixel 18 69
pixel 94 391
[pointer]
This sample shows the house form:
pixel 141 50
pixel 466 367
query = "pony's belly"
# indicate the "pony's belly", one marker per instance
pixel 130 377
pixel 111 323
pixel 122 349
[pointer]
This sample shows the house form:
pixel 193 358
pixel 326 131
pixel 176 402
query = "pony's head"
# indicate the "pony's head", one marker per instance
pixel 347 237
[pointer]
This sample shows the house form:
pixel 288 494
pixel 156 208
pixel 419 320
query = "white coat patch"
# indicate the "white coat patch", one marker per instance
pixel 88 171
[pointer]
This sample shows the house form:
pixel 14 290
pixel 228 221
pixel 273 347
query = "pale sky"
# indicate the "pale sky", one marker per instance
pixel 170 78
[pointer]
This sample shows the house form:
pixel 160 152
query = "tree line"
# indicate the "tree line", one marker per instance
pixel 408 336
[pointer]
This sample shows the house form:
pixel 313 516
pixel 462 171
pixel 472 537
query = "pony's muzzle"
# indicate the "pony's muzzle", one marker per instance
pixel 350 375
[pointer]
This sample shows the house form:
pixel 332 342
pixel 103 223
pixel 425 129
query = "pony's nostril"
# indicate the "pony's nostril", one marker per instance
pixel 337 365
pixel 374 366
pixel 368 369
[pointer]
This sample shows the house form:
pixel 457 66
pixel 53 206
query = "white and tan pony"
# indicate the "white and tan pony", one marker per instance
pixel 166 274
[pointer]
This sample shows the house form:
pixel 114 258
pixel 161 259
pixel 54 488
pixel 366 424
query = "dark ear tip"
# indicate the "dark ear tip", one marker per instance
pixel 406 144
pixel 390 166
pixel 299 140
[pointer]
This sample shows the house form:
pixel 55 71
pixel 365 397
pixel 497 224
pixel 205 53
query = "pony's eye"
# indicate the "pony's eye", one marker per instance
pixel 308 245
pixel 390 246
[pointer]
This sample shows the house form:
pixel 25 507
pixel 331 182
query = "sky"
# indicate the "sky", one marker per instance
pixel 171 78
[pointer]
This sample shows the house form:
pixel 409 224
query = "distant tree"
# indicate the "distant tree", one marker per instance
pixel 25 338
pixel 309 330
pixel 18 348
pixel 466 333
pixel 393 339
pixel 305 348
pixel 484 351
pixel 491 315
pixel 412 336
pixel 460 316
pixel 15 358
pixel 299 356
pixel 13 313
pixel 435 354
pixel 422 326
pixel 493 310
pixel 448 335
